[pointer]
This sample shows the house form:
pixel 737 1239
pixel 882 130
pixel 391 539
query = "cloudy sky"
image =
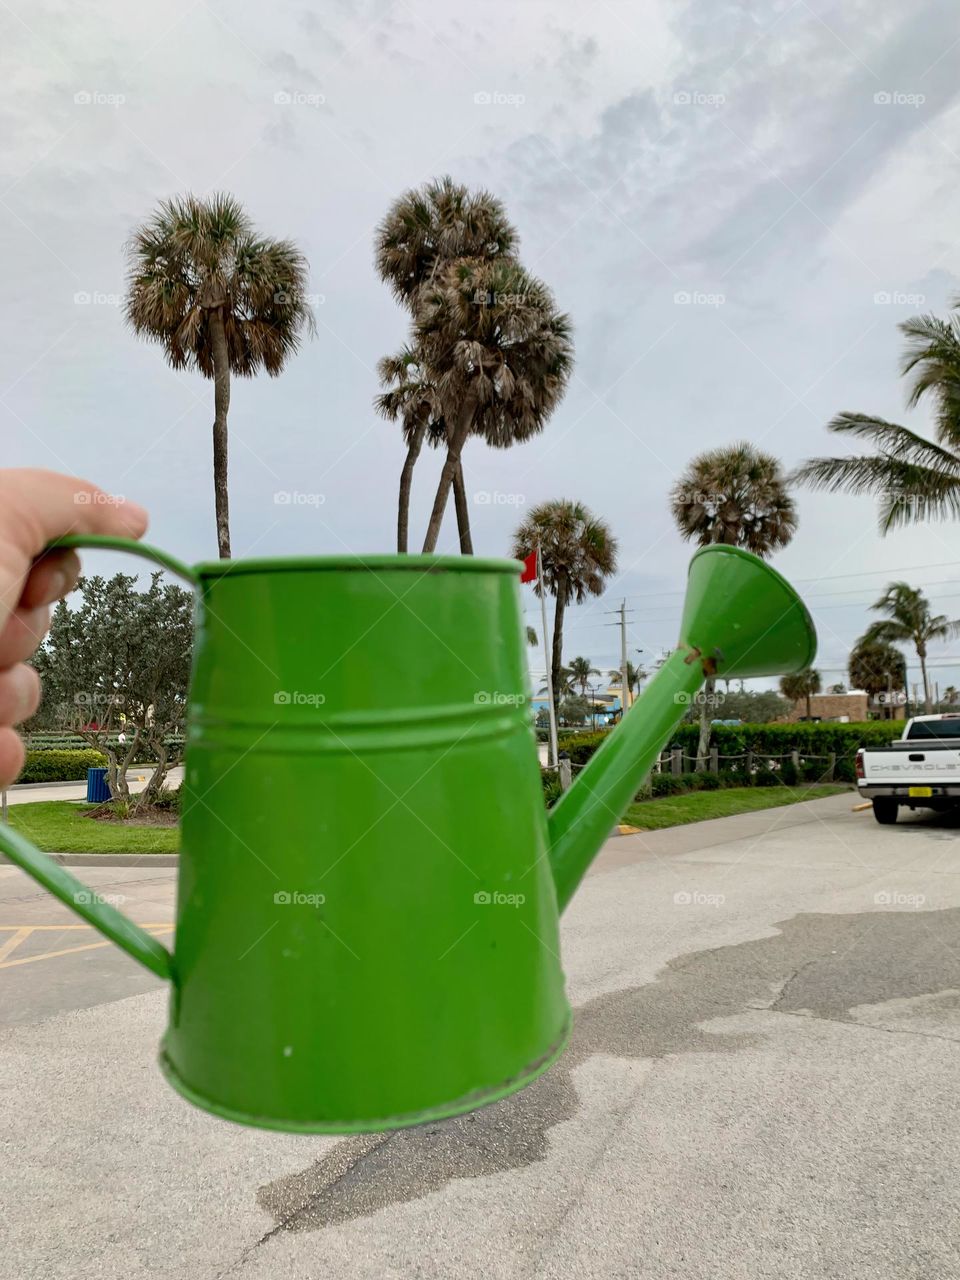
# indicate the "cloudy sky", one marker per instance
pixel 790 166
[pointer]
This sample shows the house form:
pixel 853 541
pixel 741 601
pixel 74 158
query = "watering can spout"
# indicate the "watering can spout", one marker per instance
pixel 740 619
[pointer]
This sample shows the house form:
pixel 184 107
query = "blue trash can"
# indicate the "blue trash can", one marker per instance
pixel 97 789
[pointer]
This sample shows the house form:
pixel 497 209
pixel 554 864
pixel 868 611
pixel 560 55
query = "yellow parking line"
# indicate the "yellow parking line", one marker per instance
pixel 61 928
pixel 13 942
pixel 22 933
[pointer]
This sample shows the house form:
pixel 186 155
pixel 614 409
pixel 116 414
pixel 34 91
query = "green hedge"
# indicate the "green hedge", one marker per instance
pixel 73 742
pixel 60 766
pixel 767 742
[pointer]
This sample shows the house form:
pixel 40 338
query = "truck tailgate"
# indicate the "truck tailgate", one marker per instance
pixel 911 763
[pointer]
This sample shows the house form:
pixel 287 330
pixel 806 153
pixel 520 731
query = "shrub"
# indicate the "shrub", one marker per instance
pixel 60 766
pixel 768 742
pixel 168 798
pixel 668 784
pixel 550 781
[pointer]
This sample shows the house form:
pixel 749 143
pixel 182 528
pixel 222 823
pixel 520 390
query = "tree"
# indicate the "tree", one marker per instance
pixel 950 695
pixel 915 478
pixel 573 710
pixel 500 355
pixel 580 673
pixel 424 232
pixel 218 298
pixel 737 496
pixel 532 638
pixel 909 620
pixel 635 676
pixel 763 707
pixel 577 553
pixel 121 660
pixel 879 669
pixel 802 684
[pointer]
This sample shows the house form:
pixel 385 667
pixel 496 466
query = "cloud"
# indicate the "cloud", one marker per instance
pixel 641 163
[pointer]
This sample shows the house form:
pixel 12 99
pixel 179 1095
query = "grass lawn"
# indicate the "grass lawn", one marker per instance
pixel 696 806
pixel 59 826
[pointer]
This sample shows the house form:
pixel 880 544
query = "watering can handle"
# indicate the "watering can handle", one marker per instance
pixel 73 893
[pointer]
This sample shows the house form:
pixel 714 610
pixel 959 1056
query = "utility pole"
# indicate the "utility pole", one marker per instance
pixel 624 667
pixel 553 753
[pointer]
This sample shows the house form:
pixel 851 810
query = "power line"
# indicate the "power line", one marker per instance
pixel 836 577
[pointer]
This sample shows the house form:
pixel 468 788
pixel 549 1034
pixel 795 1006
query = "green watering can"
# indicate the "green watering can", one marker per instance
pixel 370 886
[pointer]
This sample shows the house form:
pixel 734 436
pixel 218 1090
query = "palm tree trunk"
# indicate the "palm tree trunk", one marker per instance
pixel 703 741
pixel 557 657
pixel 808 705
pixel 927 700
pixel 463 511
pixel 452 461
pixel 406 482
pixel 221 399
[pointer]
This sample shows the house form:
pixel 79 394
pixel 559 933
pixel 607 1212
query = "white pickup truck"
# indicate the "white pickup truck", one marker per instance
pixel 921 770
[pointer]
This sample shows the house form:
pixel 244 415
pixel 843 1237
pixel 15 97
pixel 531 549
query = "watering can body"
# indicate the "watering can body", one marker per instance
pixel 369 888
pixel 366 928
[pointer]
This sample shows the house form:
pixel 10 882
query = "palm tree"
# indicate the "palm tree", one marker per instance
pixel 580 673
pixel 909 620
pixel 737 496
pixel 500 354
pixel 532 638
pixel 635 676
pixel 878 669
pixel 915 478
pixel 424 231
pixel 564 682
pixel 802 684
pixel 411 399
pixel 577 554
pixel 950 695
pixel 219 298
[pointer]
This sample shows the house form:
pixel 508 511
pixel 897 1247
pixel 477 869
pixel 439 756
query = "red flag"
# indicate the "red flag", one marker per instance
pixel 529 568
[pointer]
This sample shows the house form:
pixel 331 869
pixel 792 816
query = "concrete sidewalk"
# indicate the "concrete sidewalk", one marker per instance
pixel 763 1082
pixel 33 792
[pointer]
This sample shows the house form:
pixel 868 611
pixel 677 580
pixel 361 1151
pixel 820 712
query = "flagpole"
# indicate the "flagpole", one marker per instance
pixel 552 754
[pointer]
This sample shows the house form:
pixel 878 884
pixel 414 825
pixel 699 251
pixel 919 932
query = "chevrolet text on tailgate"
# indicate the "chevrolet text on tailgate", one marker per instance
pixel 921 770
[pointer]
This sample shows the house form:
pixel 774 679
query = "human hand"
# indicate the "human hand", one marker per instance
pixel 36 507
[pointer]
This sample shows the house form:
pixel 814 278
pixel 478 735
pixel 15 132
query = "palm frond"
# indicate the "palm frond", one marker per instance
pixel 193 255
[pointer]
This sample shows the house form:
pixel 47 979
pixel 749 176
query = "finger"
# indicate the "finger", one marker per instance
pixel 39 506
pixel 19 694
pixel 51 578
pixel 11 756
pixel 22 633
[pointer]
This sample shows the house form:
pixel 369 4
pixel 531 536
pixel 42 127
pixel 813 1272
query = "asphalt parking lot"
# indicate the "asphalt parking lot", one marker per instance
pixel 763 1081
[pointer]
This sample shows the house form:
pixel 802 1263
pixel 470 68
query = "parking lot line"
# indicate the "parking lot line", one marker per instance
pixel 19 933
pixel 14 941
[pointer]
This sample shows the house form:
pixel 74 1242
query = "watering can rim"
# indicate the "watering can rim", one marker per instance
pixel 718 548
pixel 371 563
pixel 209 569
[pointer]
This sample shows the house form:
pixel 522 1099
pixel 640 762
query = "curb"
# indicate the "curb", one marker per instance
pixel 110 859
pixel 132 775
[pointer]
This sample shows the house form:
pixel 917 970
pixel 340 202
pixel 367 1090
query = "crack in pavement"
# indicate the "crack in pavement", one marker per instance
pixel 824 966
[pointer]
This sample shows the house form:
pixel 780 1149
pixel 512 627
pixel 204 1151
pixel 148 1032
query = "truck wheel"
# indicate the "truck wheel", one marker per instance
pixel 885 810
